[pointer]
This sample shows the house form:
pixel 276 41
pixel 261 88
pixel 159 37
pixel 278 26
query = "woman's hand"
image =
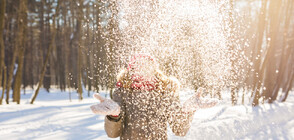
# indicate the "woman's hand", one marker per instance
pixel 105 107
pixel 196 102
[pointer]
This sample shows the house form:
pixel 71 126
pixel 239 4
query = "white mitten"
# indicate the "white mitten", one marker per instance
pixel 196 102
pixel 105 107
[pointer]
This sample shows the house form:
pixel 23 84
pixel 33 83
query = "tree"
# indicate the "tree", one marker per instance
pixel 232 48
pixel 13 59
pixel 2 47
pixel 4 84
pixel 20 44
pixel 112 42
pixel 48 54
pixel 79 45
pixel 257 52
pixel 286 53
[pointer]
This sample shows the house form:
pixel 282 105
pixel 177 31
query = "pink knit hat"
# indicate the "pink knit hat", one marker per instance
pixel 142 69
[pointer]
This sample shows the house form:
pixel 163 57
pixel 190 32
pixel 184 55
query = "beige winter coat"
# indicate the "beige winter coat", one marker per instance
pixel 144 115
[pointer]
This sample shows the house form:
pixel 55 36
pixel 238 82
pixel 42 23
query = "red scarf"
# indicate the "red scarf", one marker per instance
pixel 140 83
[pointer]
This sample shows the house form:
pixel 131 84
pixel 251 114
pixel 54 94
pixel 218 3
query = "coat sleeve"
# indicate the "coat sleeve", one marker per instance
pixel 179 121
pixel 113 125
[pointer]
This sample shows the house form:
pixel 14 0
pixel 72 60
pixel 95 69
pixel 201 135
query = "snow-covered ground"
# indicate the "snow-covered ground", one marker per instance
pixel 54 117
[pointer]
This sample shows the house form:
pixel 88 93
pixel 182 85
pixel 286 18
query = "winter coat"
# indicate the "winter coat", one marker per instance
pixel 144 115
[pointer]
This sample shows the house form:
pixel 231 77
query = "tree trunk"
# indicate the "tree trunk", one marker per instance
pixel 42 40
pixel 47 77
pixel 21 37
pixel 2 47
pixel 260 33
pixel 17 40
pixel 80 88
pixel 4 84
pixel 18 76
pixel 113 28
pixel 79 39
pixel 48 54
pixel 66 47
pixel 268 67
pixel 232 48
pixel 285 55
pixel 289 85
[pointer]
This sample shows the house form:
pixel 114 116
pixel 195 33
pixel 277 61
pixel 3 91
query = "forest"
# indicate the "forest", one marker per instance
pixel 64 44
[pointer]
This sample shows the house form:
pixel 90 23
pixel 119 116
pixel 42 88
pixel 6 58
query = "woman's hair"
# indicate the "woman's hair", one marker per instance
pixel 163 84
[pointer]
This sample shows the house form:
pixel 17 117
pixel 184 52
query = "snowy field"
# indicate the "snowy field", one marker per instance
pixel 54 117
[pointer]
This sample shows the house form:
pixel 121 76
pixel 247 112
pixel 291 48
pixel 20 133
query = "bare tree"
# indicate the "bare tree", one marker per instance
pixel 48 54
pixel 2 47
pixel 21 39
pixel 257 52
pixel 79 45
pixel 286 52
pixel 4 84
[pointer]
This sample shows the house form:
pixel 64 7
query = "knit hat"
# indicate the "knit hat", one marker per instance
pixel 142 70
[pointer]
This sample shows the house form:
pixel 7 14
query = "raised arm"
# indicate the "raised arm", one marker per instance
pixel 113 111
pixel 180 117
pixel 113 124
pixel 179 121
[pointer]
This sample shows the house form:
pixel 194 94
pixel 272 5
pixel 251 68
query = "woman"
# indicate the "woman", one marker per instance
pixel 144 101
